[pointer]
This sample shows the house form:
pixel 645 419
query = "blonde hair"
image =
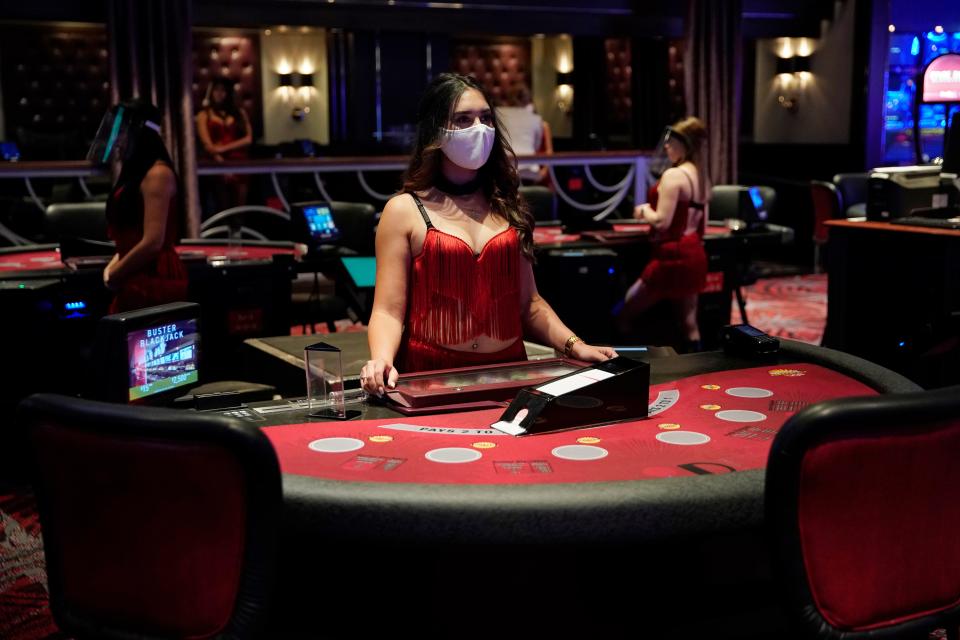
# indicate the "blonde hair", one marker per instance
pixel 694 134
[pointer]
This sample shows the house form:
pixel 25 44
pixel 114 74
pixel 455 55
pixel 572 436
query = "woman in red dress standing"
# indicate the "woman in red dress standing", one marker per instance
pixel 144 211
pixel 454 283
pixel 224 131
pixel 677 211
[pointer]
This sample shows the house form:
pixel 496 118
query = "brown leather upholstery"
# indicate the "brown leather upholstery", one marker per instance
pixel 55 87
pixel 235 56
pixel 500 68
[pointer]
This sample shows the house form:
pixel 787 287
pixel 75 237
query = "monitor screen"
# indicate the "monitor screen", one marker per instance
pixel 162 357
pixel 951 147
pixel 757 200
pixel 319 221
pixel 941 79
pixel 362 270
pixel 147 356
pixel 9 151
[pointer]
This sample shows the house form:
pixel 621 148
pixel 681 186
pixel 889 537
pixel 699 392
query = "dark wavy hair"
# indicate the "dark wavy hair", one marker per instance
pixel 229 105
pixel 498 176
pixel 144 149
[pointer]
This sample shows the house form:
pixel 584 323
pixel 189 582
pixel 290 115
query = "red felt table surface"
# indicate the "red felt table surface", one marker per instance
pixel 27 260
pixel 695 434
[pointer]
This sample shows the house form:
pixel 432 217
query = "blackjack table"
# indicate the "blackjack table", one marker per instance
pixel 452 477
pixel 442 507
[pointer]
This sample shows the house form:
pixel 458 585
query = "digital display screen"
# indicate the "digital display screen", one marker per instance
pixel 9 151
pixel 941 80
pixel 758 202
pixel 750 331
pixel 362 270
pixel 320 222
pixel 162 357
pixel 519 373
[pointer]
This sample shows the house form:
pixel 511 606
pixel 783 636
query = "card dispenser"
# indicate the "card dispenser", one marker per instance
pixel 616 390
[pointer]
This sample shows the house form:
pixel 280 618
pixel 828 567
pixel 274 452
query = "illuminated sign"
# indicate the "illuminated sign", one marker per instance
pixel 941 80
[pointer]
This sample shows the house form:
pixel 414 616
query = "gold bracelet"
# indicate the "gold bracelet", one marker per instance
pixel 568 347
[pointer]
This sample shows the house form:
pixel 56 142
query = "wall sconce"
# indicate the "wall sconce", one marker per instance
pixel 285 79
pixel 564 91
pixel 793 72
pixel 306 80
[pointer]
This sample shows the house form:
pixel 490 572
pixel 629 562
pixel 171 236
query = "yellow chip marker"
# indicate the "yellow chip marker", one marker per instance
pixel 710 387
pixel 710 407
pixel 381 438
pixel 588 440
pixel 668 426
pixel 483 445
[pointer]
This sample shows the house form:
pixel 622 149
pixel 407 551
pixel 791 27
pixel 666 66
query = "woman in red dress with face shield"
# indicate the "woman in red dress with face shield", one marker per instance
pixel 455 282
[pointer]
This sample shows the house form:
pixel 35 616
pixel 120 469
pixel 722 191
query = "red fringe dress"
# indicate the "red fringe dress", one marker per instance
pixel 678 262
pixel 161 281
pixel 455 297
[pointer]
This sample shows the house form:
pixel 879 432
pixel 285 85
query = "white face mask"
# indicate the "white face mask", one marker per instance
pixel 468 148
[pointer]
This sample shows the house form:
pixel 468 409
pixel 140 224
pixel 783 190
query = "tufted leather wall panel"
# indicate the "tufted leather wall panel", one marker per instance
pixel 678 107
pixel 55 87
pixel 501 68
pixel 236 56
pixel 619 71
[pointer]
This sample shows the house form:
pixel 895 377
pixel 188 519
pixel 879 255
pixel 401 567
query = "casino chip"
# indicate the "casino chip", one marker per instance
pixel 668 426
pixel 790 373
pixel 381 438
pixel 710 387
pixel 483 445
pixel 588 440
pixel 710 407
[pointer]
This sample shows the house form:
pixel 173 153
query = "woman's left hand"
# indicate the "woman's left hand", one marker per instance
pixel 589 353
pixel 107 281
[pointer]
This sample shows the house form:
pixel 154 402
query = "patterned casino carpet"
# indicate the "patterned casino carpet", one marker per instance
pixel 24 611
pixel 793 307
pixel 790 307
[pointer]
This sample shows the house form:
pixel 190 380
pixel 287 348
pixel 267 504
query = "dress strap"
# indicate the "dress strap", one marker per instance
pixel 423 211
pixel 693 202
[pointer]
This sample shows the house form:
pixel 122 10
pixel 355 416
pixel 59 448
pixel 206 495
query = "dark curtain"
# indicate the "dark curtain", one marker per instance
pixel 150 46
pixel 712 80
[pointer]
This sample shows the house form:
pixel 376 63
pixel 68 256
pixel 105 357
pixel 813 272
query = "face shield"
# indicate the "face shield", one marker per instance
pixel 660 160
pixel 118 134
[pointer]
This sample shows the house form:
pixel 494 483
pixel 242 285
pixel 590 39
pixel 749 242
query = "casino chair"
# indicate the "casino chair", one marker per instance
pixel 826 206
pixel 357 222
pixel 862 516
pixel 248 222
pixel 156 523
pixel 733 202
pixel 78 223
pixel 852 188
pixel 542 201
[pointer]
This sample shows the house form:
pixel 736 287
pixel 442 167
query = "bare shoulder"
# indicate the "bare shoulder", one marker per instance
pixel 159 179
pixel 399 214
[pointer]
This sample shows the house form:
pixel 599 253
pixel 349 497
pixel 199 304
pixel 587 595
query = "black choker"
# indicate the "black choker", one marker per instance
pixel 454 189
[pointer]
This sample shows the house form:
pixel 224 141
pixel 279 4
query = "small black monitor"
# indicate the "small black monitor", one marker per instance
pixel 148 356
pixel 951 146
pixel 313 223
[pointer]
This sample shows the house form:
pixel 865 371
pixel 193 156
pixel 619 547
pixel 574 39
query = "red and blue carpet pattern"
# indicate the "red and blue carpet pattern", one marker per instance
pixel 24 608
pixel 792 307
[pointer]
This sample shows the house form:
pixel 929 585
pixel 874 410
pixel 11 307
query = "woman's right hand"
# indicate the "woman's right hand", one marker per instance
pixel 377 375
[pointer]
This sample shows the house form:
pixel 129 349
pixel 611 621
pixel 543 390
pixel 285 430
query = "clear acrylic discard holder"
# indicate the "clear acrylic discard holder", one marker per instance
pixel 324 368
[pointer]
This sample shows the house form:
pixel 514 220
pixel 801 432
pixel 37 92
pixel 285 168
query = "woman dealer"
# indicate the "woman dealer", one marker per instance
pixel 455 283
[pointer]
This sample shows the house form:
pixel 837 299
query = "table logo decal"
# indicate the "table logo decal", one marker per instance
pixel 790 373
